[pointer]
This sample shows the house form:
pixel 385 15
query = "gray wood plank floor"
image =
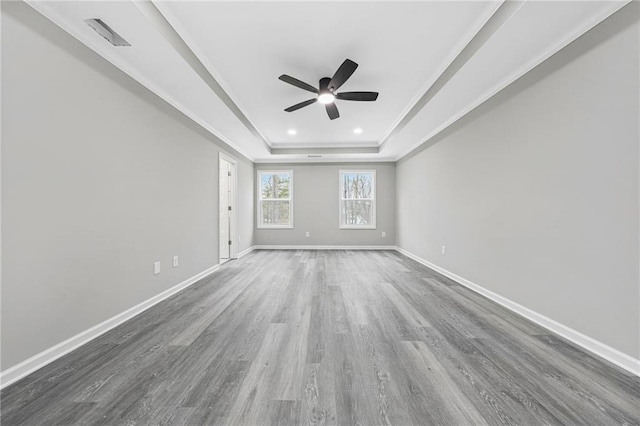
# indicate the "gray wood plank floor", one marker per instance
pixel 325 338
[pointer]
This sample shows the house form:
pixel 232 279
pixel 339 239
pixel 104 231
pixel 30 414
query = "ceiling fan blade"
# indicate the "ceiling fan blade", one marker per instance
pixel 344 72
pixel 357 96
pixel 332 110
pixel 301 84
pixel 301 105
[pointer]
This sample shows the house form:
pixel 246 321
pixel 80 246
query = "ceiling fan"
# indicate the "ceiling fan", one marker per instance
pixel 326 90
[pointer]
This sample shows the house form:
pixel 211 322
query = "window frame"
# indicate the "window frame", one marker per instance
pixel 342 200
pixel 259 224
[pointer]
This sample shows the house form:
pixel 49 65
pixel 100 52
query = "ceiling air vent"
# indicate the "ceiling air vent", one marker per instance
pixel 106 32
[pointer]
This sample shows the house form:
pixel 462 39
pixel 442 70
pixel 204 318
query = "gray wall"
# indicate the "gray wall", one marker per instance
pixel 315 208
pixel 536 193
pixel 244 204
pixel 100 178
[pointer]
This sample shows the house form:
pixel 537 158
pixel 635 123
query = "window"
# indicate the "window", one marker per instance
pixel 275 199
pixel 358 199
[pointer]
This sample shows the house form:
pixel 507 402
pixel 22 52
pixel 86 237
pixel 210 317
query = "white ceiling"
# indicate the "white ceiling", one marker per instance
pixel 431 61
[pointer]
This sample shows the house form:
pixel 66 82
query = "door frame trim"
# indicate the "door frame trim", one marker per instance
pixel 232 202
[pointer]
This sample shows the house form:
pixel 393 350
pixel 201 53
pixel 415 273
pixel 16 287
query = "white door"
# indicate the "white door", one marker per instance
pixel 226 209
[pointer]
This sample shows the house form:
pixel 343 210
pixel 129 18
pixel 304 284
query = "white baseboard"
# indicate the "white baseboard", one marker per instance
pixel 319 247
pixel 245 252
pixel 594 346
pixel 38 361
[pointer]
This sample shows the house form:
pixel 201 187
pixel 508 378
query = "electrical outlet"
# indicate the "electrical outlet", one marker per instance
pixel 307 234
pixel 444 249
pixel 175 261
pixel 384 234
pixel 156 268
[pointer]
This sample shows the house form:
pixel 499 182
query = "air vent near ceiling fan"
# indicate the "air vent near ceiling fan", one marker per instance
pixel 106 32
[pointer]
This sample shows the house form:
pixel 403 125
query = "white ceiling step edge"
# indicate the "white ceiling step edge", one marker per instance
pixel 131 71
pixel 185 50
pixel 204 60
pixel 409 113
pixel 491 26
pixel 457 50
pixel 509 79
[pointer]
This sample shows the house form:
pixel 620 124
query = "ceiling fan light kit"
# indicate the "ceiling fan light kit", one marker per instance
pixel 326 90
pixel 326 98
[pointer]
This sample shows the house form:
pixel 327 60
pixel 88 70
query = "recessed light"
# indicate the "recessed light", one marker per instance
pixel 292 131
pixel 357 130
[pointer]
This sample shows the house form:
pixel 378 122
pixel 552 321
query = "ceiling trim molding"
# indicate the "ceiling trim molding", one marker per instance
pixel 491 26
pixel 164 27
pixel 337 150
pixel 511 78
pixel 300 145
pixel 204 59
pixel 168 26
pixel 131 72
pixel 325 161
pixel 459 46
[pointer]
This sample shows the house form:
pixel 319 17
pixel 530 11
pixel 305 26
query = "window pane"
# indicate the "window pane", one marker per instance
pixel 275 185
pixel 357 213
pixel 357 185
pixel 275 213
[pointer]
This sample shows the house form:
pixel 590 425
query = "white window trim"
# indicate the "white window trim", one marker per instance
pixel 260 225
pixel 340 199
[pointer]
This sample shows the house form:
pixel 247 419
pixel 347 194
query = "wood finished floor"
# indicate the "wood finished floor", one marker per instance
pixel 325 337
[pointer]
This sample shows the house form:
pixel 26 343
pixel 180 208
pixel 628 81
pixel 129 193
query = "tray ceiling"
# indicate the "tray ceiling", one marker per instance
pixel 431 61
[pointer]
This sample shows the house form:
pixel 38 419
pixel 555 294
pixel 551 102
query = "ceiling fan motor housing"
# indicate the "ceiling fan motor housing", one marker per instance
pixel 324 85
pixel 325 94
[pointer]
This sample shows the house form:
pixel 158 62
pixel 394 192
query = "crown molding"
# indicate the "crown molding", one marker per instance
pixel 132 72
pixel 614 6
pixel 455 52
pixel 177 41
